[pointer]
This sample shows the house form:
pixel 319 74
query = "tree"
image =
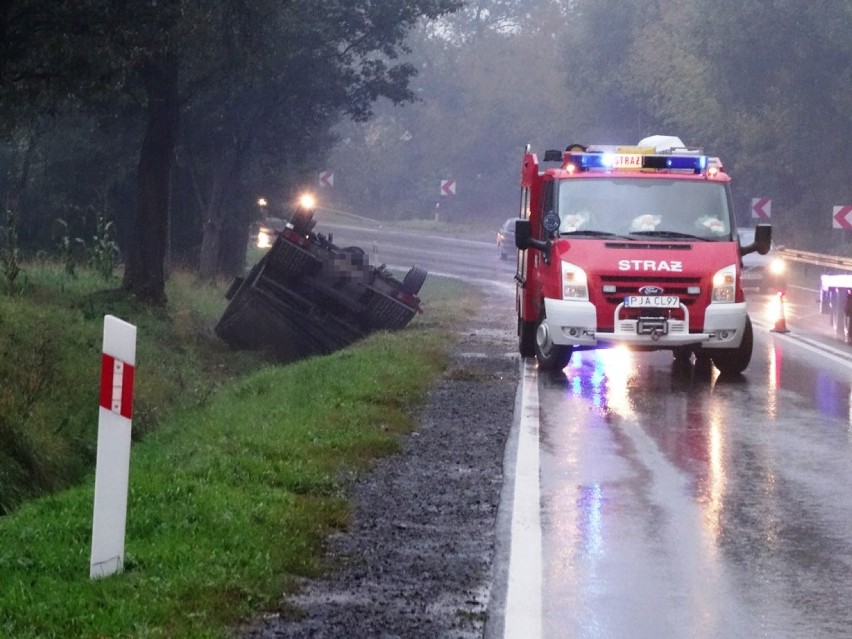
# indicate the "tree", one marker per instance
pixel 491 81
pixel 184 52
pixel 336 63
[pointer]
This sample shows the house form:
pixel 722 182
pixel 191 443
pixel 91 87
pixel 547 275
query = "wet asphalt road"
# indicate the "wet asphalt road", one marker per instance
pixel 672 502
pixel 676 505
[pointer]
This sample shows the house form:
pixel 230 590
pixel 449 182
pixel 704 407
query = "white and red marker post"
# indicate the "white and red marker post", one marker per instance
pixel 112 472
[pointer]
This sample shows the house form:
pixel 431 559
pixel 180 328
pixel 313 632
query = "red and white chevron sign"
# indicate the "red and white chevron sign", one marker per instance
pixel 448 187
pixel 761 208
pixel 841 217
pixel 326 179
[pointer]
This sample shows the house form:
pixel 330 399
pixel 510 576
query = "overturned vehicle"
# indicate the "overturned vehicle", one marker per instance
pixel 307 296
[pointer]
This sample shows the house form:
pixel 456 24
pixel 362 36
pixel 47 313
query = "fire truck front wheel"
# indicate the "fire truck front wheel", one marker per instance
pixel 836 313
pixel 550 356
pixel 733 361
pixel 842 312
pixel 526 337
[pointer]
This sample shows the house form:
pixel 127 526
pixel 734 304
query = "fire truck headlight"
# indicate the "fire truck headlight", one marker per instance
pixel 574 285
pixel 724 284
pixel 777 266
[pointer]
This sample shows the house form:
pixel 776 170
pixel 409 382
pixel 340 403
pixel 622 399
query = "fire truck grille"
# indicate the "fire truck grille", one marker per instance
pixel 630 285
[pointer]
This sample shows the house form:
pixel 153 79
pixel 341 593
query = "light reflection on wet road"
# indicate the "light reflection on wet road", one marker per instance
pixel 679 504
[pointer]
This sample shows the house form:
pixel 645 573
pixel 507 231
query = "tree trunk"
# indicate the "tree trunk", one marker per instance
pixel 211 231
pixel 208 261
pixel 233 262
pixel 219 220
pixel 144 275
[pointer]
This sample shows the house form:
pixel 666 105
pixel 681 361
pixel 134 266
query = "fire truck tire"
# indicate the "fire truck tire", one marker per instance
pixel 837 312
pixel 526 337
pixel 847 324
pixel 414 280
pixel 733 361
pixel 550 356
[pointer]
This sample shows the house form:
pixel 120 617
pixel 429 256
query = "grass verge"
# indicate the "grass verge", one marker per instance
pixel 50 348
pixel 231 497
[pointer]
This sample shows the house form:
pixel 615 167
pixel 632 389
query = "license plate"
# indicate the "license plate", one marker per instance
pixel 752 275
pixel 652 301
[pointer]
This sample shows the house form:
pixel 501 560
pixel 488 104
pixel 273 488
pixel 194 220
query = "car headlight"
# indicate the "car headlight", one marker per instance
pixel 724 284
pixel 574 283
pixel 264 238
pixel 777 266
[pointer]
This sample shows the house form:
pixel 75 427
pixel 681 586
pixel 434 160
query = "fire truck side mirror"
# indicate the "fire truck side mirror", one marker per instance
pixel 762 241
pixel 524 238
pixel 763 238
pixel 523 234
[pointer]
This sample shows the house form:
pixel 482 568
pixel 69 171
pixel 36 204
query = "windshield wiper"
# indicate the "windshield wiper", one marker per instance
pixel 595 233
pixel 687 236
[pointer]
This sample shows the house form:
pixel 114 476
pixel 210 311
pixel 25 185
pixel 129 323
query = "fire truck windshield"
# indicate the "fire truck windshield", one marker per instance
pixel 660 206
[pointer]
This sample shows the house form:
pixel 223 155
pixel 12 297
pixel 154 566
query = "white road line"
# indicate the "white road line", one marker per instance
pixel 523 598
pixel 825 350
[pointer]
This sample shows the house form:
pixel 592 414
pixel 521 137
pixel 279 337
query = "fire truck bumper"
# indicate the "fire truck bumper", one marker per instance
pixel 575 323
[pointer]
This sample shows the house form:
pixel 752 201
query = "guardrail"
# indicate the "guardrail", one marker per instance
pixel 817 259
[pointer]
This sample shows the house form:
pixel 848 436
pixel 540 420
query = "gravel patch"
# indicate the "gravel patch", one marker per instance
pixel 416 561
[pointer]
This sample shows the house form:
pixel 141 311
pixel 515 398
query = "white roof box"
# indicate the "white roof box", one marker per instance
pixel 667 144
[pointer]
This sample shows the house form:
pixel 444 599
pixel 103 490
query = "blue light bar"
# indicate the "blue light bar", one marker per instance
pixel 695 162
pixel 586 161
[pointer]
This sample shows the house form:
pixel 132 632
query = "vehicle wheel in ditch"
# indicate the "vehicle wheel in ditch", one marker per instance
pixel 733 361
pixel 303 222
pixel 414 280
pixel 234 287
pixel 526 337
pixel 358 255
pixel 550 356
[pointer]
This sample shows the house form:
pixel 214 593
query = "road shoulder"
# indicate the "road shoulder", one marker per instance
pixel 416 561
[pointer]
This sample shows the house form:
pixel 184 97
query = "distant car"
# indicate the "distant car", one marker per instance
pixel 767 273
pixel 506 239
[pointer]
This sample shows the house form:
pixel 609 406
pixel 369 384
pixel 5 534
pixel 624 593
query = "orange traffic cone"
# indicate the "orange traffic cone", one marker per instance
pixel 780 321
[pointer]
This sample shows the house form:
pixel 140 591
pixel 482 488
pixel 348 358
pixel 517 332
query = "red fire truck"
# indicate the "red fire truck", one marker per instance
pixel 633 245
